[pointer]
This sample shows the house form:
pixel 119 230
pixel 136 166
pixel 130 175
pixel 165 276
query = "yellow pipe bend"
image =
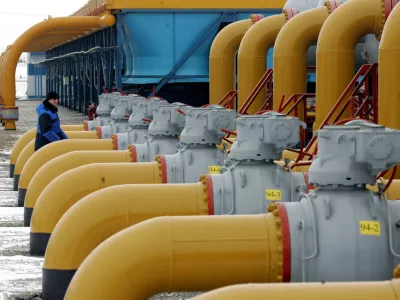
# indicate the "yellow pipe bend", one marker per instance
pixel 104 213
pixel 388 290
pixel 194 253
pixel 29 136
pixel 59 165
pixel 290 53
pixel 222 59
pixel 252 57
pixel 53 150
pixel 335 51
pixel 69 188
pixel 389 63
pixel 29 149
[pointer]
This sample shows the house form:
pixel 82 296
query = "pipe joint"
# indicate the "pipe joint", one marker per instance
pixel 290 13
pixel 154 146
pixel 255 18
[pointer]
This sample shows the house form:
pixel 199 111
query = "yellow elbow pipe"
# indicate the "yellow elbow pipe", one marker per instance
pixel 53 150
pixel 29 136
pixel 252 57
pixel 104 213
pixel 385 290
pixel 29 150
pixel 222 59
pixel 168 254
pixel 290 53
pixel 72 186
pixel 335 51
pixel 389 63
pixel 59 165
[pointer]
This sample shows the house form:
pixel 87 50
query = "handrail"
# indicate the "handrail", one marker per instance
pixel 228 98
pixel 260 85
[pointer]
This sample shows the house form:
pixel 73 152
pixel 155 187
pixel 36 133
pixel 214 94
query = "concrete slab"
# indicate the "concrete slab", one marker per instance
pixel 8 199
pixel 11 217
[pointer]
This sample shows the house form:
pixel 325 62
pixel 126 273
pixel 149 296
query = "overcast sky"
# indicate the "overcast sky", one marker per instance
pixel 16 16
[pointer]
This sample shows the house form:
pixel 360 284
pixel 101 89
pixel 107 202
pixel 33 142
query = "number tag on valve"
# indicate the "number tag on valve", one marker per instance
pixel 214 169
pixel 370 228
pixel 273 195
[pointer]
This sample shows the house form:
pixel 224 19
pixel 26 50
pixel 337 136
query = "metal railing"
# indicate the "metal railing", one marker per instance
pixel 92 8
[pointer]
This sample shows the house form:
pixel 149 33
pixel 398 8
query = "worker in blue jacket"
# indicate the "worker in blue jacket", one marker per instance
pixel 48 127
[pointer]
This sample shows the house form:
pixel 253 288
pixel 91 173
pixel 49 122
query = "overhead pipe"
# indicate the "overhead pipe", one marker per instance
pixel 53 150
pixel 335 50
pixel 252 56
pixel 290 51
pixel 156 256
pixel 59 165
pixel 389 62
pixel 78 183
pixel 388 290
pixel 222 58
pixel 29 136
pixel 29 150
pixel 46 26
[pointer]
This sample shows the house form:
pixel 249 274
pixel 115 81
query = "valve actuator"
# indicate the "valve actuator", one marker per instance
pixel 163 134
pixel 250 179
pixel 106 105
pixel 198 140
pixel 138 123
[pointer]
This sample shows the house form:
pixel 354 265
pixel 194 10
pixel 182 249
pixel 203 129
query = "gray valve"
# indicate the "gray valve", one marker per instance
pixel 341 231
pixel 198 144
pixel 354 153
pixel 106 105
pixel 138 123
pixel 250 179
pixel 162 135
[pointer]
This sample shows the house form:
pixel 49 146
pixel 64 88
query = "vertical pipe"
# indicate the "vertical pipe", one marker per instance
pixel 119 53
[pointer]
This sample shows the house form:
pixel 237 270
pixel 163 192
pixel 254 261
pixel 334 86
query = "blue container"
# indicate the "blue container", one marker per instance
pixel 155 41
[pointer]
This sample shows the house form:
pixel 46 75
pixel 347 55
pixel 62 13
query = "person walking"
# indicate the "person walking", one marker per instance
pixel 48 127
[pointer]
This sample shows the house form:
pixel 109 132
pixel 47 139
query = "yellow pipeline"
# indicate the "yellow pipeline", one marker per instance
pixel 389 62
pixel 70 187
pixel 385 290
pixel 181 254
pixel 66 162
pixel 252 57
pixel 102 214
pixel 290 53
pixel 50 25
pixel 29 149
pixel 222 59
pixel 29 136
pixel 335 51
pixel 53 150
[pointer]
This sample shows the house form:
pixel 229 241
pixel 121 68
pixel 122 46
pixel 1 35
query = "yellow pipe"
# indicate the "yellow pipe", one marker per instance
pixel 335 51
pixel 222 59
pixel 53 150
pixel 252 57
pixel 384 290
pixel 59 165
pixel 50 25
pixel 104 213
pixel 195 253
pixel 70 187
pixel 29 150
pixel 290 53
pixel 389 62
pixel 29 136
